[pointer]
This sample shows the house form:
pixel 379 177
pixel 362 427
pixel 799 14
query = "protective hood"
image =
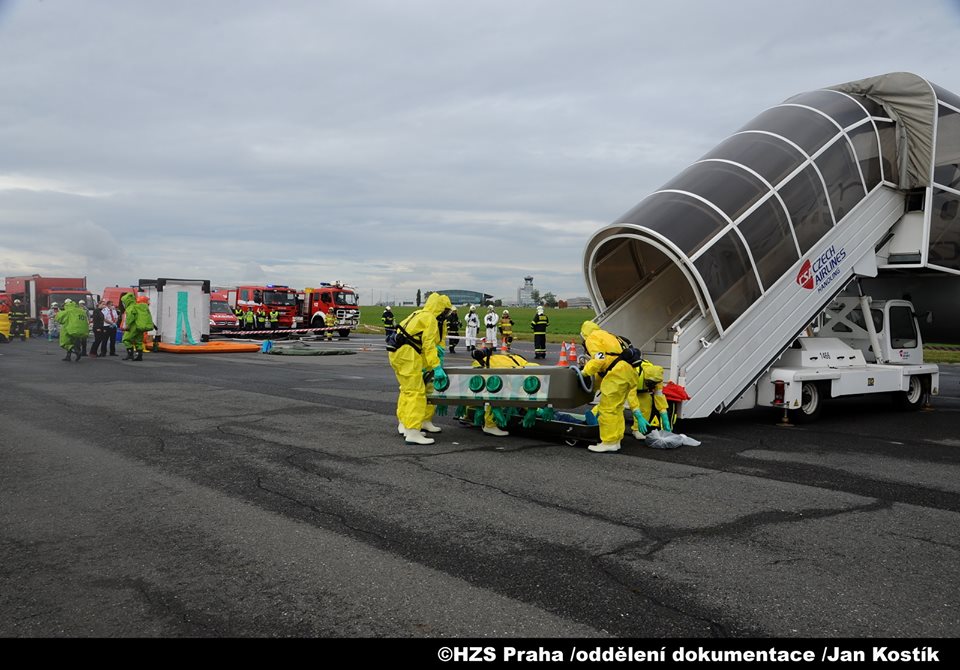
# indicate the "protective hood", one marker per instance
pixel 587 328
pixel 127 299
pixel 436 303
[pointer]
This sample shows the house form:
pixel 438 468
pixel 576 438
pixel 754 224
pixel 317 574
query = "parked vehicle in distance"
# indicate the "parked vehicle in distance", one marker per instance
pixel 221 314
pixel 314 303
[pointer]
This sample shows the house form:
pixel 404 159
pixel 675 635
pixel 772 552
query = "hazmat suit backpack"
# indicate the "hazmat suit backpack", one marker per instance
pixel 75 324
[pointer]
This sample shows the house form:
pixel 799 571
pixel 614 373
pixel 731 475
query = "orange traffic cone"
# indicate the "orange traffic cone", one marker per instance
pixel 503 346
pixel 563 356
pixel 572 353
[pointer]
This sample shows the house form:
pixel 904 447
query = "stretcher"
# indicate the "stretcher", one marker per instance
pixel 534 386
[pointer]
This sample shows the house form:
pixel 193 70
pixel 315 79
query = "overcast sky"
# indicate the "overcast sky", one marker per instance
pixel 391 145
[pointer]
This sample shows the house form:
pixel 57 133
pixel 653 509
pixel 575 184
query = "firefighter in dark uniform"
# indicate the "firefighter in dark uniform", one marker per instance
pixel 389 323
pixel 453 330
pixel 329 321
pixel 18 321
pixel 539 326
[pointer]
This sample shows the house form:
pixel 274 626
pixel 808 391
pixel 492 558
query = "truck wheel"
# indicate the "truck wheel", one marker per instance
pixel 344 333
pixel 811 402
pixel 912 398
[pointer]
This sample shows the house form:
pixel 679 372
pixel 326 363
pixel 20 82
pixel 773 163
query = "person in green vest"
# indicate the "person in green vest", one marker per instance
pixel 249 320
pixel 274 319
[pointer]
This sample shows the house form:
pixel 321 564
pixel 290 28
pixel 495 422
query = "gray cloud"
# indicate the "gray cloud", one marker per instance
pixel 393 146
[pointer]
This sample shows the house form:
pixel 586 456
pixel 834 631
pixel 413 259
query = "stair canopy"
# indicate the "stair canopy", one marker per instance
pixel 741 219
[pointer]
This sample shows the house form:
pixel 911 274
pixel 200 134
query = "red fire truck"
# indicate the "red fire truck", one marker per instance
pixel 314 303
pixel 221 314
pixel 36 293
pixel 264 299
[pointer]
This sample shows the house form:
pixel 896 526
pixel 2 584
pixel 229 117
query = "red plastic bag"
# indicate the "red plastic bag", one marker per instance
pixel 675 392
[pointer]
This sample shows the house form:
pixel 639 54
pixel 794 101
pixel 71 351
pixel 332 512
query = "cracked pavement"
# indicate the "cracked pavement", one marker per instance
pixel 253 495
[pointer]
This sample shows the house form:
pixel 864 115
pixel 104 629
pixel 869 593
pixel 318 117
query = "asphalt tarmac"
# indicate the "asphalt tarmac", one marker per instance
pixel 260 495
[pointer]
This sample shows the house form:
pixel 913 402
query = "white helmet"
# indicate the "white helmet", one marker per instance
pixel 473 308
pixel 81 303
pixel 388 307
pixel 506 312
pixel 540 309
pixel 54 304
pixel 67 301
pixel 490 308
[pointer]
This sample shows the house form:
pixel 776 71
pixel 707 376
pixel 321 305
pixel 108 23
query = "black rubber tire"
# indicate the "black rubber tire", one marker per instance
pixel 911 399
pixel 344 333
pixel 811 404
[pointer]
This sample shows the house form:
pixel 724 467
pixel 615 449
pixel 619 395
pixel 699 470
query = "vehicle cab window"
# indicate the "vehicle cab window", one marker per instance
pixel 903 330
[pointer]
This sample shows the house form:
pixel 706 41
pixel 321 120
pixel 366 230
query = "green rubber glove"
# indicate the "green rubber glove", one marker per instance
pixel 529 418
pixel 439 376
pixel 441 410
pixel 440 353
pixel 499 417
pixel 665 421
pixel 642 424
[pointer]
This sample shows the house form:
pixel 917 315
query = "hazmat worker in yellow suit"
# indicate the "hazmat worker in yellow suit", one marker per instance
pixel 488 358
pixel 618 384
pixel 653 404
pixel 413 351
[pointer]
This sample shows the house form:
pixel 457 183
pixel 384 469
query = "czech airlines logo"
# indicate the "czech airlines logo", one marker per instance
pixel 805 276
pixel 819 272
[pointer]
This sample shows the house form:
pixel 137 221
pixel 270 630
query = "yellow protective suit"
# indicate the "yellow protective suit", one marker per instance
pixel 618 383
pixel 650 393
pixel 408 365
pixel 501 361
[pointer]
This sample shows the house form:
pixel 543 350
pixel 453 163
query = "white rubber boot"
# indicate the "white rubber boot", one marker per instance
pixel 414 436
pixel 638 435
pixel 401 429
pixel 604 447
pixel 690 442
pixel 429 427
pixel 495 431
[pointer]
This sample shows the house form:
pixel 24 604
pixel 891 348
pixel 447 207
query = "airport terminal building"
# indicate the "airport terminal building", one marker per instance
pixel 464 297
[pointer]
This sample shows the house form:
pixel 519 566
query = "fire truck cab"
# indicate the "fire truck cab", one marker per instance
pixel 264 299
pixel 316 302
pixel 221 314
